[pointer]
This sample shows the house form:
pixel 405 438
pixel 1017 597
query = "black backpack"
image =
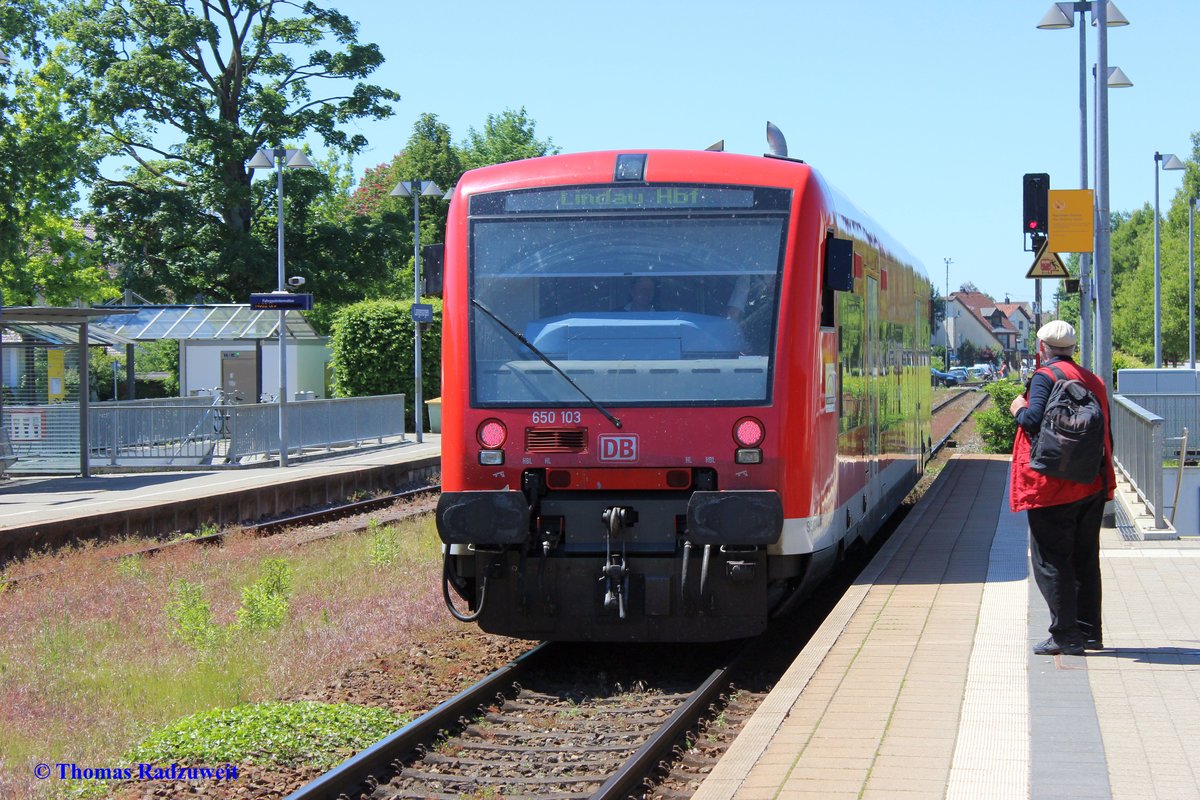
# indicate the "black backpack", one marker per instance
pixel 1070 444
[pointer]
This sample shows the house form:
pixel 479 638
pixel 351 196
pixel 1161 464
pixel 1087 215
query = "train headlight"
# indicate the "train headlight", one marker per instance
pixel 748 432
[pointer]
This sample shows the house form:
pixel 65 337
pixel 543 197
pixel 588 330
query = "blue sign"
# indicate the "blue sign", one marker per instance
pixel 422 313
pixel 281 301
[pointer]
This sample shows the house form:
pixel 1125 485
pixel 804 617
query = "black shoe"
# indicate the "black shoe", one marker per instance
pixel 1093 644
pixel 1051 647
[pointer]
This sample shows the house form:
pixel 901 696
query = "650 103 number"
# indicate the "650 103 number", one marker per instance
pixel 552 417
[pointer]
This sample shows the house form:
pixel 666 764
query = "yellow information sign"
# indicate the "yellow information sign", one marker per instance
pixel 1071 220
pixel 1047 265
pixel 56 373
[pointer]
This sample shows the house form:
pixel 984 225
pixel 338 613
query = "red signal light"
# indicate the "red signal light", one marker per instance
pixel 748 432
pixel 1033 224
pixel 492 433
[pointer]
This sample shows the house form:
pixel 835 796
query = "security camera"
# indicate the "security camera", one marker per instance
pixel 295 280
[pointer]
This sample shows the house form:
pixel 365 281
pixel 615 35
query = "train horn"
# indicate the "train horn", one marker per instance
pixel 775 141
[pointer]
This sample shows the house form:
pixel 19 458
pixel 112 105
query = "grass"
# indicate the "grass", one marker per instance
pixel 102 652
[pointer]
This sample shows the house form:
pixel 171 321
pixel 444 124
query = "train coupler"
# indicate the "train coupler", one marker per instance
pixel 616 589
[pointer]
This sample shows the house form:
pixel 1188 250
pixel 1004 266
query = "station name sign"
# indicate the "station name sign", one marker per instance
pixel 281 301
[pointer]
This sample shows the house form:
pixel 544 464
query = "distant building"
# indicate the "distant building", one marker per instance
pixel 976 318
pixel 1020 315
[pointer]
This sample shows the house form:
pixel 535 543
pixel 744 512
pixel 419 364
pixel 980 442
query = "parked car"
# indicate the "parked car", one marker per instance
pixel 986 371
pixel 959 373
pixel 940 378
pixel 981 372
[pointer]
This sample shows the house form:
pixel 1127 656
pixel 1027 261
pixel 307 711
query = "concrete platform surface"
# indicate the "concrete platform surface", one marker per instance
pixel 922 683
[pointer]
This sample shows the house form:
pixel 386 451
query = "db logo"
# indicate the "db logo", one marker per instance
pixel 614 447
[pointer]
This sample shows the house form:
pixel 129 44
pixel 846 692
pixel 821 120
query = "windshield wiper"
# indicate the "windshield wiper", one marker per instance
pixel 533 349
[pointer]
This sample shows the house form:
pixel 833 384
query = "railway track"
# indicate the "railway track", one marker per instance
pixel 319 516
pixel 561 721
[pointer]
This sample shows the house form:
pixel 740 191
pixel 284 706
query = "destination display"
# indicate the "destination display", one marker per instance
pixel 671 197
pixel 622 198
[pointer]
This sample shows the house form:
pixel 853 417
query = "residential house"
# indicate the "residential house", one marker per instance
pixel 976 318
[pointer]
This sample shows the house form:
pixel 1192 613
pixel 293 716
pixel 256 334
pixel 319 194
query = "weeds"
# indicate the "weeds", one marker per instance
pixel 385 545
pixel 265 602
pixel 289 734
pixel 100 651
pixel 191 616
pixel 131 566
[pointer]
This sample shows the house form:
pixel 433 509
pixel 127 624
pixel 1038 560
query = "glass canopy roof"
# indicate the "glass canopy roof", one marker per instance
pixel 60 326
pixel 231 321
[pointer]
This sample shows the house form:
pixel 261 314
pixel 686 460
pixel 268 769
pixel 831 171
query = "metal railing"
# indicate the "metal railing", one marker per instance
pixel 1178 411
pixel 205 431
pixel 1138 440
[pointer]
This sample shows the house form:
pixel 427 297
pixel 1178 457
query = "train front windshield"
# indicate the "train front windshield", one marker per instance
pixel 649 295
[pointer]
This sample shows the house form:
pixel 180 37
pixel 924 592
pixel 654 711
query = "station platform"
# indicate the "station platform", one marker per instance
pixel 922 683
pixel 47 512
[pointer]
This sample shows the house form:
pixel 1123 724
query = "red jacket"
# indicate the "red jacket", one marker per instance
pixel 1029 489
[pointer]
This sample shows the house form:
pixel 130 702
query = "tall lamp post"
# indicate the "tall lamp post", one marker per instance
pixel 416 189
pixel 1061 16
pixel 946 312
pixel 280 157
pixel 1161 161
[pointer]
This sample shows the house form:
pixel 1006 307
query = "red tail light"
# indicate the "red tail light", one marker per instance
pixel 748 432
pixel 492 434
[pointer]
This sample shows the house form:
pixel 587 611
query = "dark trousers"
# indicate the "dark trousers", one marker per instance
pixel 1064 542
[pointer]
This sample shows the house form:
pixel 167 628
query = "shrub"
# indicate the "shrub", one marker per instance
pixel 997 427
pixel 373 350
pixel 1123 360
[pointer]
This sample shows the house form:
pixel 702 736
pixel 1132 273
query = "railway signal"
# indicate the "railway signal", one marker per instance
pixel 1036 206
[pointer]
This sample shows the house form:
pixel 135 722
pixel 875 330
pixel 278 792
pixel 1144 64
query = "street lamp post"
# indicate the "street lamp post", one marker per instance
pixel 416 189
pixel 946 312
pixel 1161 161
pixel 281 157
pixel 1060 16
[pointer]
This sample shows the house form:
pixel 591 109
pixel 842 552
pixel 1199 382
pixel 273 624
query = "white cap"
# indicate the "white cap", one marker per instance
pixel 1058 333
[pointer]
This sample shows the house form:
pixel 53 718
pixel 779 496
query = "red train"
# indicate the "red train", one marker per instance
pixel 676 387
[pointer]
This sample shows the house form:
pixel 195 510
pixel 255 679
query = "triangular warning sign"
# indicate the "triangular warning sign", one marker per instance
pixel 1047 265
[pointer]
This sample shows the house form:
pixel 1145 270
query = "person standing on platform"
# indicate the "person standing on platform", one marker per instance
pixel 1064 516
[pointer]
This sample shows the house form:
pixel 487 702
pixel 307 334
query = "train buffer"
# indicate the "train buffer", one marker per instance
pixel 922 681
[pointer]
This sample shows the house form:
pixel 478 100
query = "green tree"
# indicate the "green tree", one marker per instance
pixel 45 148
pixel 188 90
pixel 507 136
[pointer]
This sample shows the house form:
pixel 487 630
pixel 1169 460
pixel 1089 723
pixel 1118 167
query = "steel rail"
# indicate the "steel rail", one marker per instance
pixel 942 443
pixel 347 777
pixel 264 528
pixel 655 749
pixel 336 512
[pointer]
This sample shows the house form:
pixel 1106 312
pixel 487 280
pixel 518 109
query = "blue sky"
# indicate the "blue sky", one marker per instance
pixel 925 112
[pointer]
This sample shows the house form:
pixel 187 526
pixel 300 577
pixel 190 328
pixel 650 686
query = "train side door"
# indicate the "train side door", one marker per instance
pixel 875 374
